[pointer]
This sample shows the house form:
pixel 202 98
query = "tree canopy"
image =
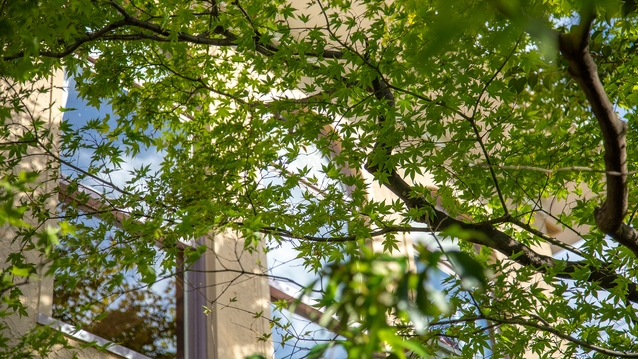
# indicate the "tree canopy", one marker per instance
pixel 473 114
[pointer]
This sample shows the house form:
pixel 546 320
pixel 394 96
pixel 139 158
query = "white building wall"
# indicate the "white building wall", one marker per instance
pixel 42 104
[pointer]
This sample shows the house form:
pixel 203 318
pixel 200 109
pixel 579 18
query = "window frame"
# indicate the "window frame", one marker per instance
pixel 194 349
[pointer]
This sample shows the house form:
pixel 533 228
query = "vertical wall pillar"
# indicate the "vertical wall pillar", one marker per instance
pixel 42 104
pixel 238 296
pixel 198 343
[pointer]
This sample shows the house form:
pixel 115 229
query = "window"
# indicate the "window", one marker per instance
pixel 108 299
pixel 98 294
pixel 294 334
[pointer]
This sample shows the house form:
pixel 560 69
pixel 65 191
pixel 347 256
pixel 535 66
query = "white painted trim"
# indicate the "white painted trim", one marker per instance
pixel 87 337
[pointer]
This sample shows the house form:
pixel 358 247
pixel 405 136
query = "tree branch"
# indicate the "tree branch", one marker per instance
pixel 181 38
pixel 489 236
pixel 560 334
pixel 161 35
pixel 574 47
pixel 486 233
pixel 92 36
pixel 378 232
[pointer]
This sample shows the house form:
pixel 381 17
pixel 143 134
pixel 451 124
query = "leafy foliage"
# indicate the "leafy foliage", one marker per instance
pixel 478 119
